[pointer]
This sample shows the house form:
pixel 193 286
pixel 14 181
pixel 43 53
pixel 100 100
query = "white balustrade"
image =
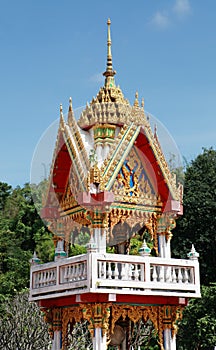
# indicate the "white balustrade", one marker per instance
pixel 44 278
pixel 113 273
pixel 73 272
pixel 136 272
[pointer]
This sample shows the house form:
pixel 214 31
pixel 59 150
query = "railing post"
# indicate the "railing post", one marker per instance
pixel 193 255
pixel 147 277
pixel 33 261
pixel 91 263
pixel 145 272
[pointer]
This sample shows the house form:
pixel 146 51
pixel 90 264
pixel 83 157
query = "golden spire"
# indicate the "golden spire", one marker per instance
pixel 61 118
pixel 61 110
pixel 136 102
pixel 70 113
pixel 70 104
pixel 109 73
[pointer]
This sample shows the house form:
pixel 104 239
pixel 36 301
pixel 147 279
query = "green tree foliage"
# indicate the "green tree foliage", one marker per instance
pixel 76 249
pixel 22 325
pixel 144 336
pixel 5 191
pixel 198 224
pixel 197 330
pixel 21 232
pixel 79 337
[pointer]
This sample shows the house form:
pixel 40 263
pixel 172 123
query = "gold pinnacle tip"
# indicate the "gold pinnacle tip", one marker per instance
pixel 70 104
pixel 108 21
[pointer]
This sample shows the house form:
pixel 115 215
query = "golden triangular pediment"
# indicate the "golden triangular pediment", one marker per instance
pixel 133 183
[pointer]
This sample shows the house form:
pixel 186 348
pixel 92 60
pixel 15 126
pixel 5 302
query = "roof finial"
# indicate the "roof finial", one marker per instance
pixel 136 102
pixel 70 113
pixel 155 131
pixel 109 73
pixel 143 103
pixel 61 110
pixel 70 104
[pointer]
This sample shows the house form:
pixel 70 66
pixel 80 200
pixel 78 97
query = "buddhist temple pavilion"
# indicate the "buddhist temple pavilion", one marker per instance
pixel 109 177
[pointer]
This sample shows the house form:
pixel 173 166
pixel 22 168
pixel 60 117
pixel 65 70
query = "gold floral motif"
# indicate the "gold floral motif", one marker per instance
pixel 166 223
pixel 131 184
pixel 97 315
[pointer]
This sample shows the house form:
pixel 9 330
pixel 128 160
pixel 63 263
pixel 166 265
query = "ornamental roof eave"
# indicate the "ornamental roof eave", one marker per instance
pixel 69 151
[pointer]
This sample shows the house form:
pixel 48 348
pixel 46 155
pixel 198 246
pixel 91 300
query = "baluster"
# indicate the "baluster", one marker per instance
pixel 168 274
pixel 109 271
pixel 66 271
pixel 71 275
pixel 154 274
pixel 35 280
pixel 49 277
pixel 123 272
pixel 78 271
pixel 174 278
pixel 136 273
pixel 103 269
pixel 53 277
pixel 161 273
pixel 84 271
pixel 130 272
pixel 180 277
pixel 116 273
pixel 43 279
pixel 186 276
pixel 39 279
pixel 190 275
pixel 75 272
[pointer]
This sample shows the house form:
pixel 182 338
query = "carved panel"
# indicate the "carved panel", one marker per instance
pixel 132 183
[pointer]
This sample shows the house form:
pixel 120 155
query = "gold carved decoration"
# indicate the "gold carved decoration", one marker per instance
pixel 117 155
pixel 106 315
pixel 132 184
pixel 57 319
pixel 97 315
pixel 162 317
pixel 166 223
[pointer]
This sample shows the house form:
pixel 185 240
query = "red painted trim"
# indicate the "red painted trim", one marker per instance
pixel 120 298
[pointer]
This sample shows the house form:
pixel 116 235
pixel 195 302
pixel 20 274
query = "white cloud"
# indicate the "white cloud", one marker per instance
pixel 182 7
pixel 160 20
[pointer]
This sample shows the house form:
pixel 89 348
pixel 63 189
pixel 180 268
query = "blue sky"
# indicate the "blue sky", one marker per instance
pixel 51 50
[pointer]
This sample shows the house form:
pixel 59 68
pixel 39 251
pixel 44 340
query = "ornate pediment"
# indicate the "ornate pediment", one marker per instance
pixel 132 183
